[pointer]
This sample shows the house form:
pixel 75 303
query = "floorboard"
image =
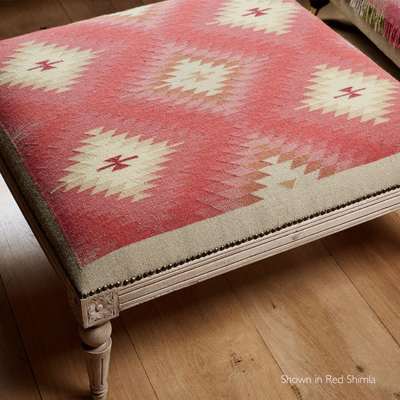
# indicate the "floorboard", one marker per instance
pixel 47 326
pixel 16 377
pixel 145 2
pixel 316 323
pixel 20 17
pixel 370 256
pixel 198 343
pixel 121 5
pixel 84 9
pixel 330 308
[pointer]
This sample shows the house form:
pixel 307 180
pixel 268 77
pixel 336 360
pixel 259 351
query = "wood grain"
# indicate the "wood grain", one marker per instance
pixel 257 249
pixel 16 377
pixel 19 17
pixel 196 343
pixel 370 256
pixel 145 2
pixel 199 343
pixel 121 5
pixel 85 9
pixel 97 345
pixel 48 328
pixel 315 323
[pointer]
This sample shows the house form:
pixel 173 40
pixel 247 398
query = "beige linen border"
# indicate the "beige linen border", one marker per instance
pixel 280 207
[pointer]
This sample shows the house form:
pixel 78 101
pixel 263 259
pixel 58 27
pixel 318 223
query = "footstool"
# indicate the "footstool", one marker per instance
pixel 161 146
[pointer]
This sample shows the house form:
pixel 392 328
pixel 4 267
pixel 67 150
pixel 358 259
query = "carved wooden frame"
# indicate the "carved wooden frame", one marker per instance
pixel 95 312
pixel 104 306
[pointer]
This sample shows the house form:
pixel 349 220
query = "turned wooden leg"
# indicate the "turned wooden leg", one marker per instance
pixel 96 342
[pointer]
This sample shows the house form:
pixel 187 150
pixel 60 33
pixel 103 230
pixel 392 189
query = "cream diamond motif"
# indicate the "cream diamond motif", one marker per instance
pixel 270 16
pixel 350 93
pixel 116 164
pixel 281 175
pixel 198 76
pixel 45 66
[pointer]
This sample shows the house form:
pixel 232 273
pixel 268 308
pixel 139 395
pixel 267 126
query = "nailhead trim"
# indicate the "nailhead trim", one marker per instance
pixel 232 244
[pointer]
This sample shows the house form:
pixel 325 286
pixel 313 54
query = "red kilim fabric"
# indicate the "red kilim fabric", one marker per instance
pixel 141 123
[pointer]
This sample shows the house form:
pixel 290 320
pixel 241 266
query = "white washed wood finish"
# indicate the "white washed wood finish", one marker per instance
pixel 215 264
pixel 96 344
pixel 258 249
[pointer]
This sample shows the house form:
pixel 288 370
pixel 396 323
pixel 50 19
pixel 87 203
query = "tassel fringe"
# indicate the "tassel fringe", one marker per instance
pixel 392 33
pixel 375 18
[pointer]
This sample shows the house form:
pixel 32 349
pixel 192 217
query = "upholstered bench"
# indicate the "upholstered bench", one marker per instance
pixel 161 146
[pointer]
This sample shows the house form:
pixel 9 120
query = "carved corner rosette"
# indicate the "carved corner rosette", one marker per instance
pixel 96 309
pixel 100 308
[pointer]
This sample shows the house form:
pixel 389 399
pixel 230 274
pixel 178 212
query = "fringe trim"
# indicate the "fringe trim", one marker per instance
pixel 370 14
pixel 392 33
pixel 375 18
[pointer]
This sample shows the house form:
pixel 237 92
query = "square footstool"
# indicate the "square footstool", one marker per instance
pixel 161 146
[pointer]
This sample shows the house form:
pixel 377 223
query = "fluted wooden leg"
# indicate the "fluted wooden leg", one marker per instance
pixel 96 342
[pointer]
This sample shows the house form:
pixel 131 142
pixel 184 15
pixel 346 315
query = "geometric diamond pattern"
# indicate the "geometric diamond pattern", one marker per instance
pixel 115 164
pixel 197 78
pixel 270 16
pixel 200 76
pixel 282 176
pixel 191 120
pixel 354 94
pixel 47 66
pixel 263 168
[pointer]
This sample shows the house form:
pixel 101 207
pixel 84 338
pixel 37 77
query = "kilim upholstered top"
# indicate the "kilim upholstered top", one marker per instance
pixel 148 137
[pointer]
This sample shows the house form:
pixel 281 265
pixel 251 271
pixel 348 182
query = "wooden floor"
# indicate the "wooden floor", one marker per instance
pixel 329 308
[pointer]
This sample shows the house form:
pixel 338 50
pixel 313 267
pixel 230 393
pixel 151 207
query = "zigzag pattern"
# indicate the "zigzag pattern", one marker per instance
pixel 46 66
pixel 135 160
pixel 138 124
pixel 196 78
pixel 354 94
pixel 269 16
